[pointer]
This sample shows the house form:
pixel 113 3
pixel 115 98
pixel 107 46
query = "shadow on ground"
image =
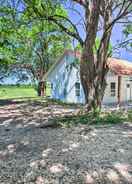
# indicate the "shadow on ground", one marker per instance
pixel 78 155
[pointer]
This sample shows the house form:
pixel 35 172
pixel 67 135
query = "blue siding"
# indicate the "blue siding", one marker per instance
pixel 63 79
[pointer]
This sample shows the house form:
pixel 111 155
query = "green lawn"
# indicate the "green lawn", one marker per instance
pixel 7 92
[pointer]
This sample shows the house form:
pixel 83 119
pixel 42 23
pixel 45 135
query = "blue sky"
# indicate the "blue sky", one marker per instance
pixel 116 34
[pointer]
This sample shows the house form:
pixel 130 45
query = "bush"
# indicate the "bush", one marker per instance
pixel 130 115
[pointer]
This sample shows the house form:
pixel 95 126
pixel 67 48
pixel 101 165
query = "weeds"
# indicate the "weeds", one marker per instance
pixel 130 116
pixel 91 119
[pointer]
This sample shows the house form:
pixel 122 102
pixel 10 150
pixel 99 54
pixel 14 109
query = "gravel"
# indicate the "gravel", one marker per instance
pixel 77 155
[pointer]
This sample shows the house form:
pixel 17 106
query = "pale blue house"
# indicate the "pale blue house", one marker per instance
pixel 64 78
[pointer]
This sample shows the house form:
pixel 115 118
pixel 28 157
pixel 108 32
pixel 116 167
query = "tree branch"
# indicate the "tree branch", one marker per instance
pixel 81 2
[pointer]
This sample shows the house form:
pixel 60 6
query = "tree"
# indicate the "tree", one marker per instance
pixel 34 45
pixel 100 15
pixel 6 29
pixel 41 47
pixel 128 34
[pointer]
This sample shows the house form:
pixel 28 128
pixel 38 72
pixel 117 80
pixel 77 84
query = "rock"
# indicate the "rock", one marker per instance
pixel 39 180
pixel 57 168
pixel 34 164
pixel 42 163
pixel 11 148
pixel 30 176
pixel 85 130
pixel 49 124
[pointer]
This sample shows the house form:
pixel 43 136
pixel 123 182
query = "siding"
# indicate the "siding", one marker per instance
pixel 124 93
pixel 64 79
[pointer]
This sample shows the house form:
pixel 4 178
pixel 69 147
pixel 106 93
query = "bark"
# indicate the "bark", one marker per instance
pixel 93 68
pixel 93 85
pixel 41 88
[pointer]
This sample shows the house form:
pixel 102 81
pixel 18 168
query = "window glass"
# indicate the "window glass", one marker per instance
pixel 113 88
pixel 51 85
pixel 77 89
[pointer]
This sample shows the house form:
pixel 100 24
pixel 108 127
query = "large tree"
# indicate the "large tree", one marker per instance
pixel 30 46
pixel 39 46
pixel 99 15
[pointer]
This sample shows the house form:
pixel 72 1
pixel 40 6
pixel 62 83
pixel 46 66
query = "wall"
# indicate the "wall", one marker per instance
pixel 124 91
pixel 64 78
pixel 107 97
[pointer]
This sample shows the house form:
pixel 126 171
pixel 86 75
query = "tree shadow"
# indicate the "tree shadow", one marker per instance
pixel 76 155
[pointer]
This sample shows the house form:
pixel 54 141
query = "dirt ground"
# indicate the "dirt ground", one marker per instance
pixel 30 154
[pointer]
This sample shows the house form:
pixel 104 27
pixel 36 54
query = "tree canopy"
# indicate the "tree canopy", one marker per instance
pixel 27 42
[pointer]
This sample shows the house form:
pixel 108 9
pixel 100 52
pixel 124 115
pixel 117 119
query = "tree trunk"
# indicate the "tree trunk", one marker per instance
pixel 93 69
pixel 41 88
pixel 93 84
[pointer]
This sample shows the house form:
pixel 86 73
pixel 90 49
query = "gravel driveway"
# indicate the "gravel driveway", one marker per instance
pixel 79 155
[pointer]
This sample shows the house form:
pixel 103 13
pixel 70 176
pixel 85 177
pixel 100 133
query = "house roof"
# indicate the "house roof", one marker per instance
pixel 118 66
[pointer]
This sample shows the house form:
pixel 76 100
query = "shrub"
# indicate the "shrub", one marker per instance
pixel 130 115
pixel 90 118
pixel 114 117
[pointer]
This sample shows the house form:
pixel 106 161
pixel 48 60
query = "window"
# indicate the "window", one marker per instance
pixel 77 89
pixel 128 85
pixel 65 92
pixel 130 79
pixel 51 85
pixel 113 88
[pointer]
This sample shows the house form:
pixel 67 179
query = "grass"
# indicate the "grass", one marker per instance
pixel 108 118
pixel 8 92
pixel 23 91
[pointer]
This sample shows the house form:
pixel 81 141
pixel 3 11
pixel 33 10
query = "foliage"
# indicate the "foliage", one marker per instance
pixel 130 116
pixel 128 30
pixel 128 34
pixel 91 119
pixel 28 43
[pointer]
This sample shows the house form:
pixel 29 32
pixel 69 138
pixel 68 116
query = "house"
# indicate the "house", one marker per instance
pixel 66 85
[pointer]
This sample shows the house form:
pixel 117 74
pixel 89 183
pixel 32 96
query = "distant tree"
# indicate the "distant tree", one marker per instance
pixel 33 45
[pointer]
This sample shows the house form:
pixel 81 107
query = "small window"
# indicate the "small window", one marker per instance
pixel 113 88
pixel 77 89
pixel 128 85
pixel 51 85
pixel 65 92
pixel 130 79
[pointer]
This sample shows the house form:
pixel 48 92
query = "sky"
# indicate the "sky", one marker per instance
pixel 116 34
